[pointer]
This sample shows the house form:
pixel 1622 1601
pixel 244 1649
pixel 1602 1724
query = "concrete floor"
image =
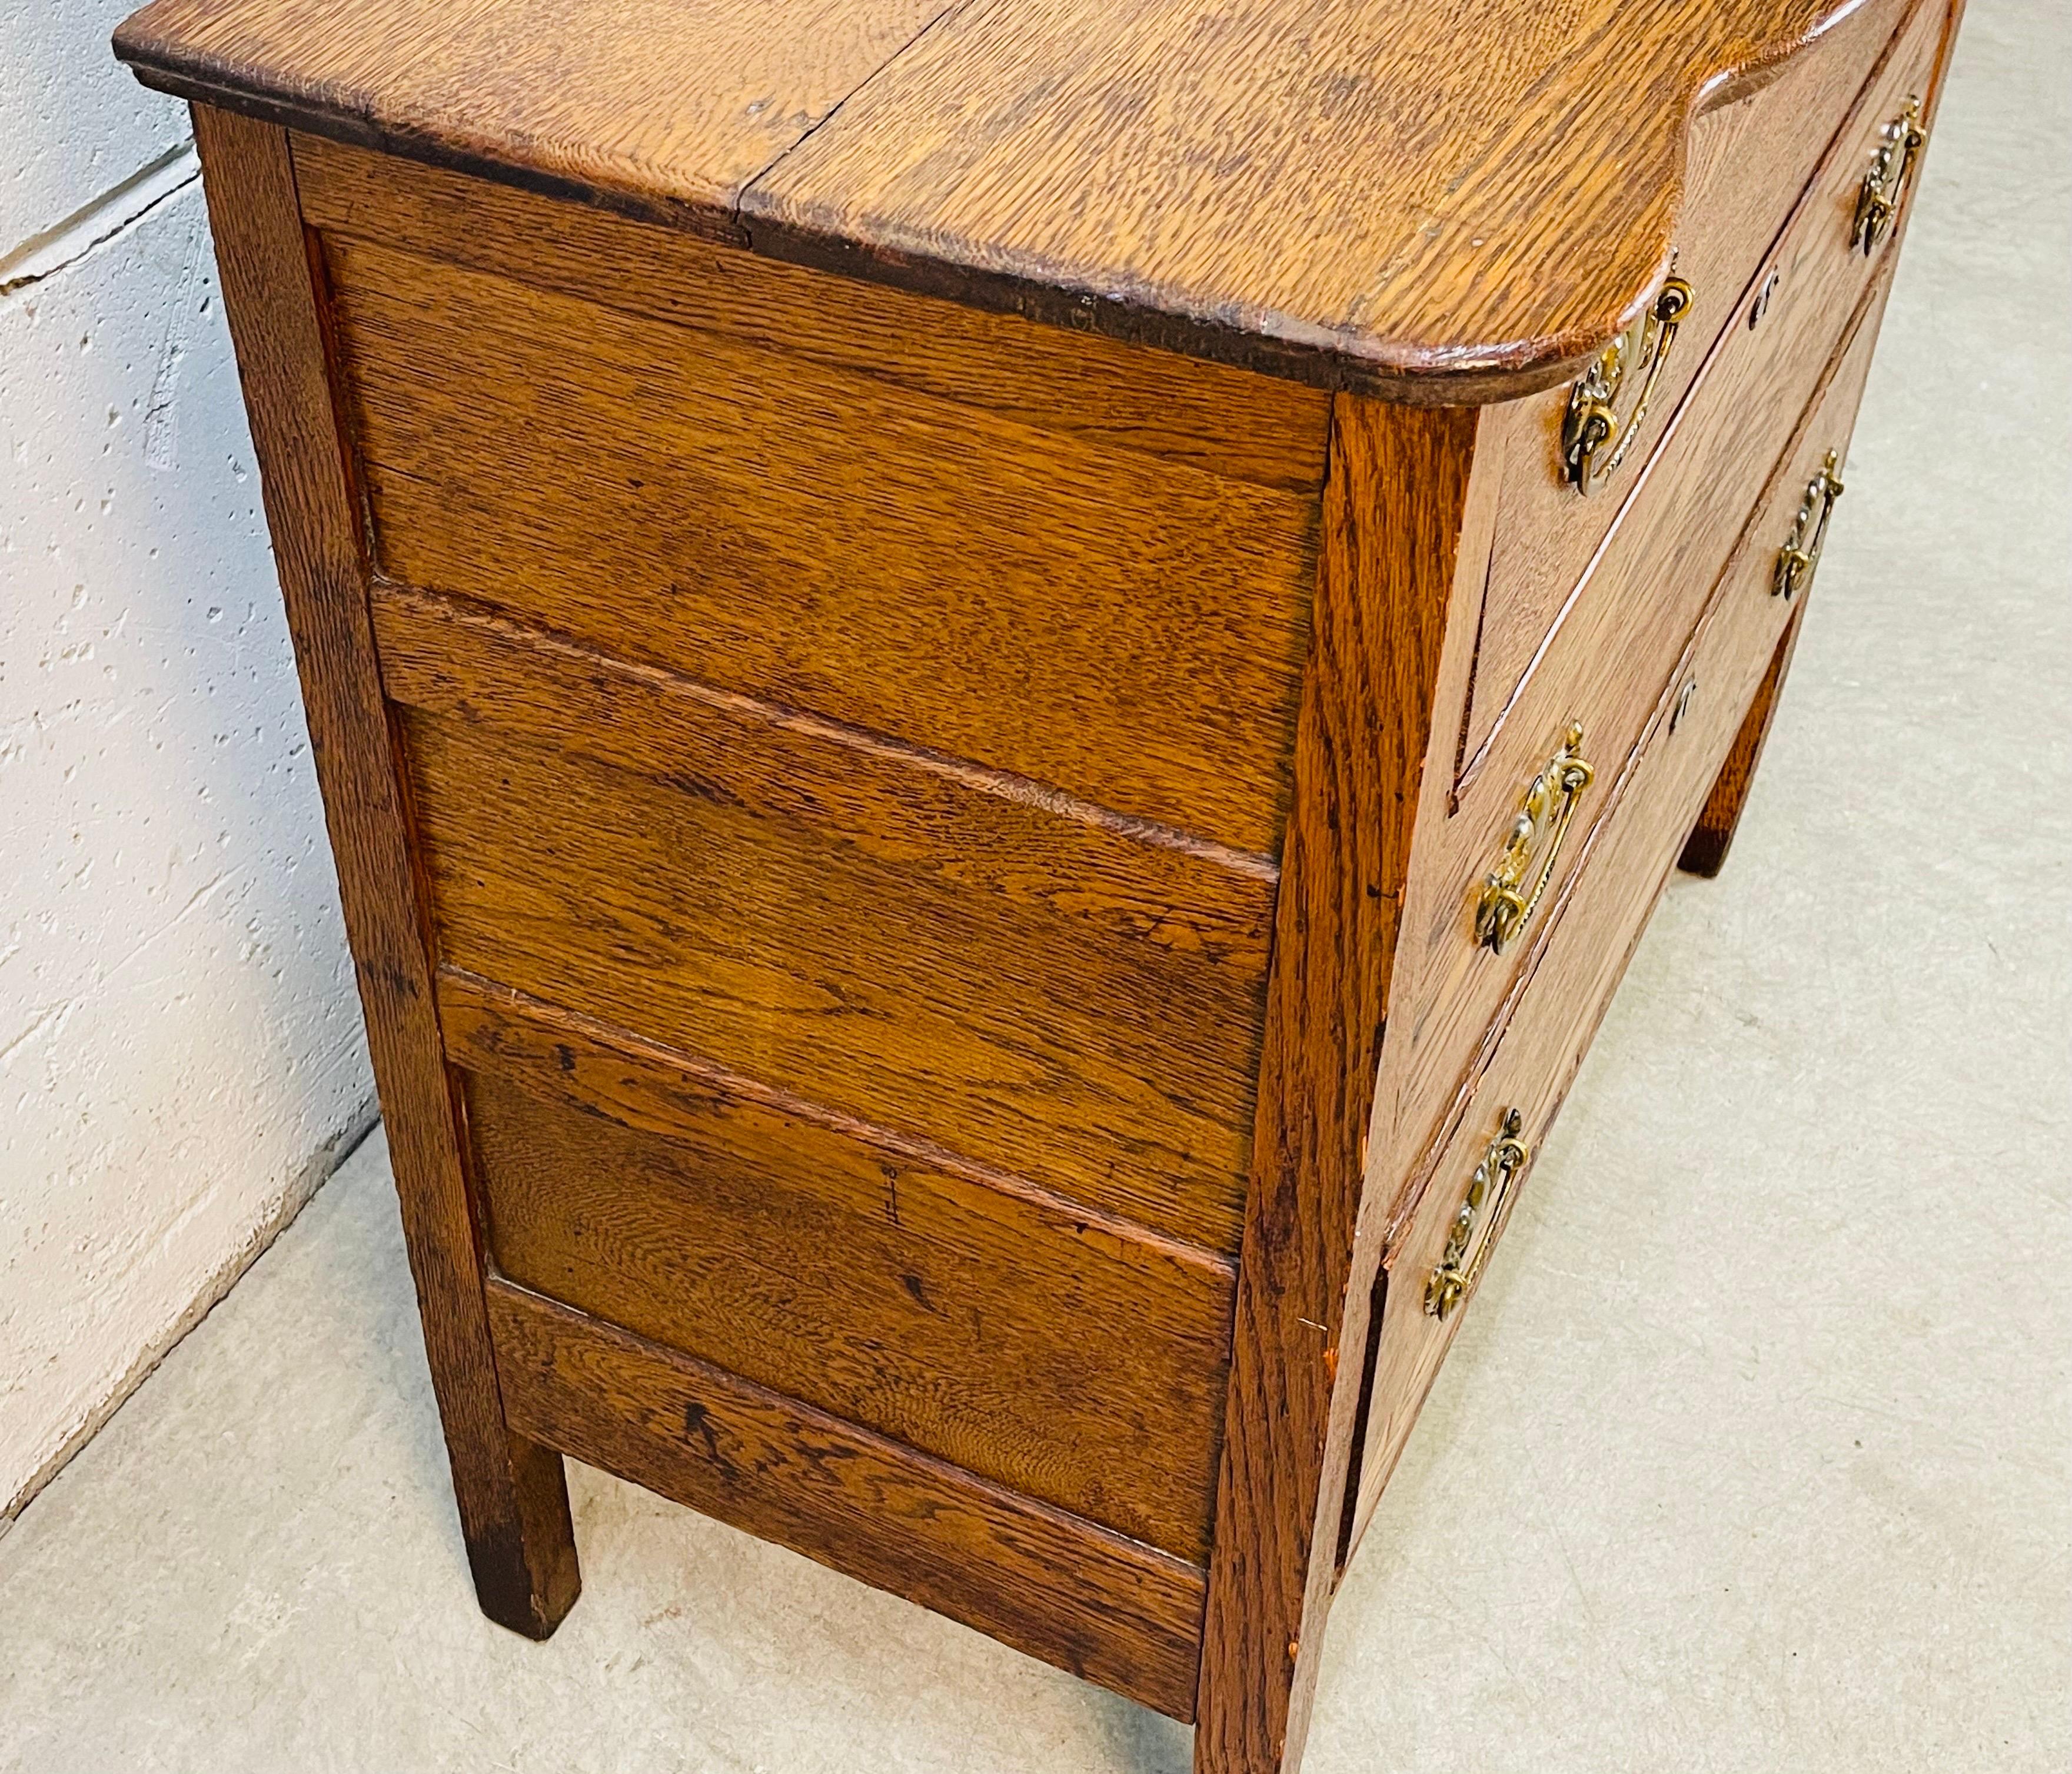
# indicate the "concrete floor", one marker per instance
pixel 1752 1456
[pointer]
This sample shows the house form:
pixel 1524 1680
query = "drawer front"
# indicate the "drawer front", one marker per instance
pixel 1605 666
pixel 1068 1361
pixel 1779 553
pixel 1121 624
pixel 1750 163
pixel 1045 997
pixel 1437 1257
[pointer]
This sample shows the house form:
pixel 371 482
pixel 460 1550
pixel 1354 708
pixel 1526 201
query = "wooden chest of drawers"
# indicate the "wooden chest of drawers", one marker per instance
pixel 999 690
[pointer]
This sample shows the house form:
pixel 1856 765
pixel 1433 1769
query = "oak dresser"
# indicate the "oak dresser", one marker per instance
pixel 999 685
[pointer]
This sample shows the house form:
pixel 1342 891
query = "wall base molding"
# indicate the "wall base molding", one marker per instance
pixel 318 1170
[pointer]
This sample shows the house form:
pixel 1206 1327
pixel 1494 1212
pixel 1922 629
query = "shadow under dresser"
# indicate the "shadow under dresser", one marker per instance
pixel 999 687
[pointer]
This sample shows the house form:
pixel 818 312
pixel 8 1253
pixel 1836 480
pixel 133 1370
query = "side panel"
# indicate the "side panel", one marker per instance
pixel 842 804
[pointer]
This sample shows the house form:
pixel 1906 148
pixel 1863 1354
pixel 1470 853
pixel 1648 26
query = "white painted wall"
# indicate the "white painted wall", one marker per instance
pixel 181 1056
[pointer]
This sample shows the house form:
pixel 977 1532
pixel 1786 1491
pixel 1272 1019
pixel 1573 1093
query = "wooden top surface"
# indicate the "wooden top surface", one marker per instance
pixel 1435 200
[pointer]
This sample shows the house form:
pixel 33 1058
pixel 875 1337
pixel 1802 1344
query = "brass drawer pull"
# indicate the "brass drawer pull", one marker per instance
pixel 1506 904
pixel 1594 439
pixel 1801 553
pixel 1884 185
pixel 1456 1273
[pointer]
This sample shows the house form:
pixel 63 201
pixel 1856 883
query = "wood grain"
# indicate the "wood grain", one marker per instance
pixel 1394 512
pixel 1373 195
pixel 1443 204
pixel 1103 1607
pixel 1116 1072
pixel 978 833
pixel 513 1504
pixel 1072 1359
pixel 1126 628
pixel 1228 422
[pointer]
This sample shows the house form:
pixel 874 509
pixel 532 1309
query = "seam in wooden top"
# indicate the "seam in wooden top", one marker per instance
pixel 834 110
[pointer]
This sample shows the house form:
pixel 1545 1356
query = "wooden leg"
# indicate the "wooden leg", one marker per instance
pixel 1705 851
pixel 1393 508
pixel 514 1506
pixel 522 1550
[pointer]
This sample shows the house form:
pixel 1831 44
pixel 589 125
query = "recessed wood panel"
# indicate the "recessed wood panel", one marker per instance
pixel 1231 422
pixel 1105 1608
pixel 774 904
pixel 1120 627
pixel 1066 1356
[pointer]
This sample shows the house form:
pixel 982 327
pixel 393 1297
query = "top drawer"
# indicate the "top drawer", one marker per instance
pixel 1750 163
